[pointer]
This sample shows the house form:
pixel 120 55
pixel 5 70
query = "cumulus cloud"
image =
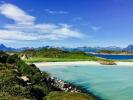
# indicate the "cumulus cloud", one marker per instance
pixel 26 29
pixel 14 35
pixel 16 14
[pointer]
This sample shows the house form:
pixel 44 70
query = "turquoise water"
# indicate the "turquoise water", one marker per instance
pixel 110 83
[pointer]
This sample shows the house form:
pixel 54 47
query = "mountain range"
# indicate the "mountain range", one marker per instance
pixel 4 48
pixel 129 48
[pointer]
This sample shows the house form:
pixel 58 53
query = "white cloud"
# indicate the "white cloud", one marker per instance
pixel 16 14
pixel 25 27
pixel 15 35
pixel 55 12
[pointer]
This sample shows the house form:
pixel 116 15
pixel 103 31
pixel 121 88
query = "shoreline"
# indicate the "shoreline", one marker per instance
pixel 43 64
pixel 69 87
pixel 47 64
pixel 122 54
pixel 60 83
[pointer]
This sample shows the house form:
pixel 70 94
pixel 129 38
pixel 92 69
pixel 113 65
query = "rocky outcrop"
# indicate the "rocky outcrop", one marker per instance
pixel 107 63
pixel 66 87
pixel 25 78
pixel 26 56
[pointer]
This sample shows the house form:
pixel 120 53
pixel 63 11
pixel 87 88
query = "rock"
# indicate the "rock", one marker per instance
pixel 25 78
pixel 107 63
pixel 24 57
pixel 32 65
pixel 66 87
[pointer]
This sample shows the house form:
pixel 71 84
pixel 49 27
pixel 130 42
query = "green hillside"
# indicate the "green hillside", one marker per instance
pixel 53 55
pixel 19 81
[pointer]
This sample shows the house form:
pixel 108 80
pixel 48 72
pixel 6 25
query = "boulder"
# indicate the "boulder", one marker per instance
pixel 107 63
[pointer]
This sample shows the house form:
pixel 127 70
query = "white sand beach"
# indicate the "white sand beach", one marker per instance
pixel 45 64
pixel 66 63
pixel 125 63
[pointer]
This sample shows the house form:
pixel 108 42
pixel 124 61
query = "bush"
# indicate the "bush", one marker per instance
pixel 6 96
pixel 37 92
pixel 18 90
pixel 24 68
pixel 3 57
pixel 52 52
pixel 13 59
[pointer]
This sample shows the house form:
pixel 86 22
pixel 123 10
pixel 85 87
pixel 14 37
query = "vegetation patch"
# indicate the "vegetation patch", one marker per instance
pixel 68 96
pixel 20 81
pixel 56 55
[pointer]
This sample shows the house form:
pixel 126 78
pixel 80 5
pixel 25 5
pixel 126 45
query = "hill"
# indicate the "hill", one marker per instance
pixel 4 48
pixel 54 54
pixel 129 48
pixel 19 81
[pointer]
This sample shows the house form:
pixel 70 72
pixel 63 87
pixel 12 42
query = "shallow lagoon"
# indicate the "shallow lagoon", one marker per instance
pixel 109 82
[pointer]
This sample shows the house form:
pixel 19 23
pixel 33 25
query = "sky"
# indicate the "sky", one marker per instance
pixel 68 23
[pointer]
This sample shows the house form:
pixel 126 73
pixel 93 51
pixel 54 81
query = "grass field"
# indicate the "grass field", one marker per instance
pixel 43 59
pixel 68 96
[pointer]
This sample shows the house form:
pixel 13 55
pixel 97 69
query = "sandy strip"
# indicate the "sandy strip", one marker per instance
pixel 45 64
pixel 125 63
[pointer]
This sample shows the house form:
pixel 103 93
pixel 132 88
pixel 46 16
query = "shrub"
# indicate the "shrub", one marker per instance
pixel 24 68
pixel 37 92
pixel 3 57
pixel 13 59
pixel 6 96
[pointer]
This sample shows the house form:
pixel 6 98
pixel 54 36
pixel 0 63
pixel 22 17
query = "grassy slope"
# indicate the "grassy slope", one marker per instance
pixel 56 55
pixel 14 88
pixel 7 85
pixel 68 96
pixel 43 59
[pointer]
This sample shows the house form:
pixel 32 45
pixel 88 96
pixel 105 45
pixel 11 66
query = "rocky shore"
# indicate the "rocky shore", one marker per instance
pixel 107 63
pixel 68 87
pixel 62 85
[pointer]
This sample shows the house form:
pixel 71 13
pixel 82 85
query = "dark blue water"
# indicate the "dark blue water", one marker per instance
pixel 116 57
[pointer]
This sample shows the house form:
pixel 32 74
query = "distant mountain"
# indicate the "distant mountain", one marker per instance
pixel 96 49
pixel 129 48
pixel 4 48
pixel 88 49
pixel 114 48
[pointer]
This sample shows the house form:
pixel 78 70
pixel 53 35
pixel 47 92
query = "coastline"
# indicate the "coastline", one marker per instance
pixel 109 53
pixel 69 87
pixel 80 89
pixel 48 64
